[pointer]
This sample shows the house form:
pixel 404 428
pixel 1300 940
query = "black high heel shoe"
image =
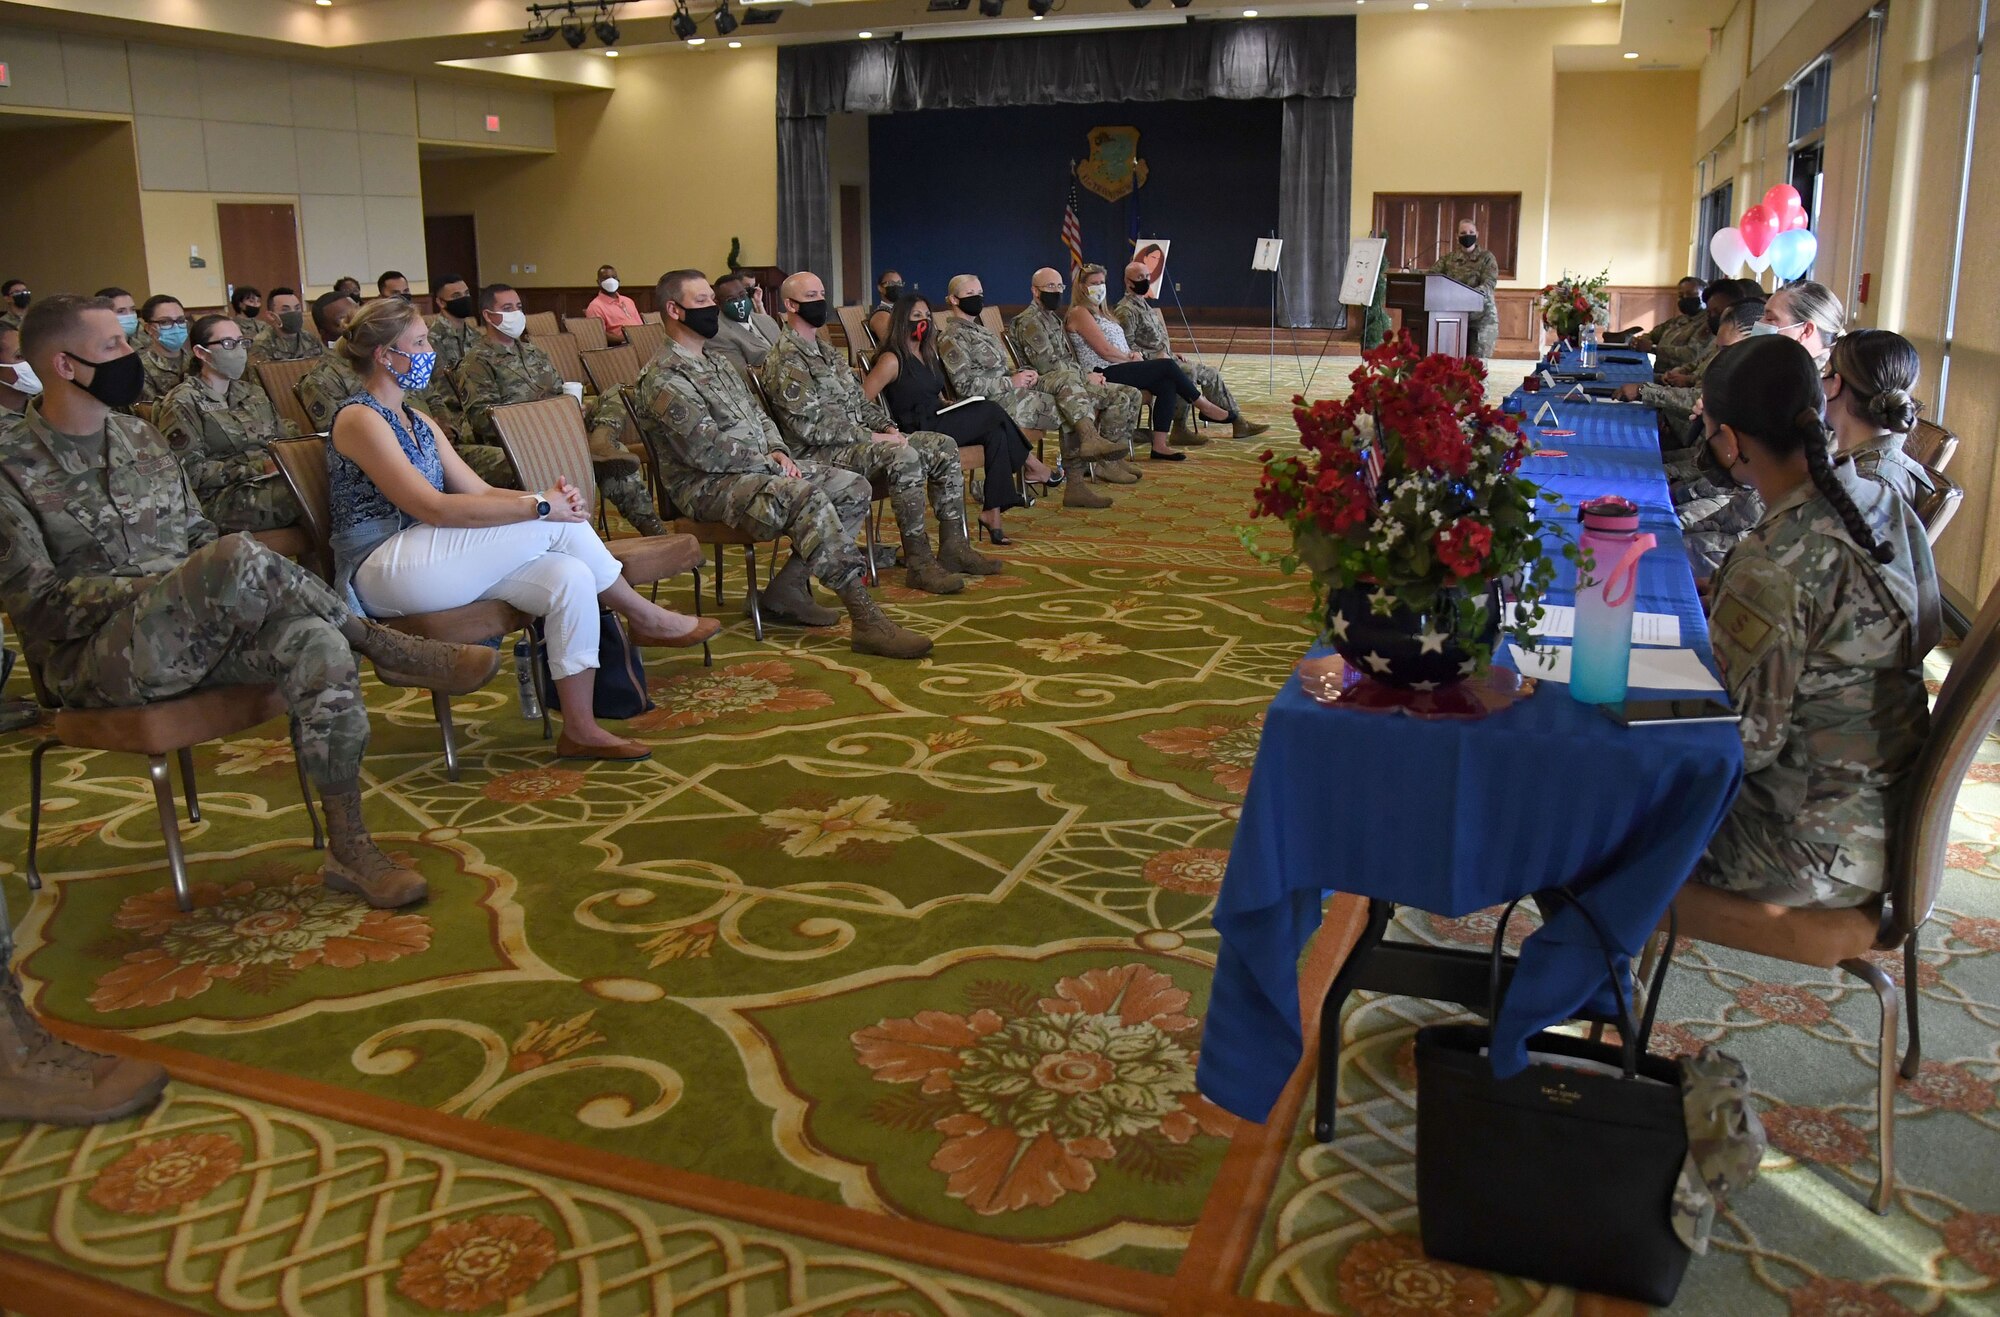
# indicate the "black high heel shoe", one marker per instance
pixel 987 532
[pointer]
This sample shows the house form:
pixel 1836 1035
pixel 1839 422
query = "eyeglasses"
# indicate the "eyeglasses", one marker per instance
pixel 169 324
pixel 225 344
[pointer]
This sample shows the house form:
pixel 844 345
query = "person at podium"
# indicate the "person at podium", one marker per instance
pixel 1476 268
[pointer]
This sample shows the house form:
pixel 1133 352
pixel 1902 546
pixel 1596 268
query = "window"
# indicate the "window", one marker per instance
pixel 1805 165
pixel 1422 226
pixel 1715 216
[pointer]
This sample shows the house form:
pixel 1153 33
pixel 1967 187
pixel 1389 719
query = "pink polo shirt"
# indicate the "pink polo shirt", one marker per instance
pixel 614 309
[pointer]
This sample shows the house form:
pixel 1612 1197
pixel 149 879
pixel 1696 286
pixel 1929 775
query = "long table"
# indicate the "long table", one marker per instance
pixel 1454 817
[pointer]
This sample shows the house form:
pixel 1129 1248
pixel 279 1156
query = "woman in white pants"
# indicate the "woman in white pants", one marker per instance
pixel 415 531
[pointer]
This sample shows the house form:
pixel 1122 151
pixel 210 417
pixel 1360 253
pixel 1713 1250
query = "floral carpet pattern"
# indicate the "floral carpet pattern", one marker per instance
pixel 877 992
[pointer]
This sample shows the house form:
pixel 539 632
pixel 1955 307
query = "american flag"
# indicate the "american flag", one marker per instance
pixel 1072 229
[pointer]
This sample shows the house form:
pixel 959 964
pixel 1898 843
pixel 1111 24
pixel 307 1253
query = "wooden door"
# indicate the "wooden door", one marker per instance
pixel 260 245
pixel 451 246
pixel 1422 226
pixel 852 277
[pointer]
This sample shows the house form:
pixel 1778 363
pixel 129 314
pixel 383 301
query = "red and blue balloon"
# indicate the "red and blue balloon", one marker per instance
pixel 1771 235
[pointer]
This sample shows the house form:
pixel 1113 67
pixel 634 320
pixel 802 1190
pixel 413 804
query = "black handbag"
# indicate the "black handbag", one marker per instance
pixel 621 674
pixel 1560 1174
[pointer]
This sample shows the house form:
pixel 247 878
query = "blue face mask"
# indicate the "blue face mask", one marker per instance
pixel 418 377
pixel 173 338
pixel 128 321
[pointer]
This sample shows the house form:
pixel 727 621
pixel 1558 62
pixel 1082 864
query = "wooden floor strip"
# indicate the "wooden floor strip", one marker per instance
pixel 33 1288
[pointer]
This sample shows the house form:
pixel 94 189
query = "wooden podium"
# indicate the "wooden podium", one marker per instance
pixel 1437 311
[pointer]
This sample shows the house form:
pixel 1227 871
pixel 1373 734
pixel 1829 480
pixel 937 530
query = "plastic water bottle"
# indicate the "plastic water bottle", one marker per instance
pixel 524 677
pixel 1589 347
pixel 1600 660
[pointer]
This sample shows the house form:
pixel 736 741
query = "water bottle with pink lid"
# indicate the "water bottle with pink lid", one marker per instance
pixel 1607 586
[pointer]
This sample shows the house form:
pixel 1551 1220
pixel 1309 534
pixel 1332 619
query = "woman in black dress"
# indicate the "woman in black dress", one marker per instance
pixel 907 378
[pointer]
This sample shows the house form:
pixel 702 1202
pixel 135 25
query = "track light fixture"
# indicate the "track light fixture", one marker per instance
pixel 684 25
pixel 992 8
pixel 1139 4
pixel 1040 8
pixel 725 22
pixel 1181 4
pixel 606 27
pixel 538 30
pixel 573 31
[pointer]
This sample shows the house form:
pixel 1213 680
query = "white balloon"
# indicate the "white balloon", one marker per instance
pixel 1729 250
pixel 1756 262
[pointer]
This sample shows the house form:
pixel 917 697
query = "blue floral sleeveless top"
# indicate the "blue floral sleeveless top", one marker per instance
pixel 363 516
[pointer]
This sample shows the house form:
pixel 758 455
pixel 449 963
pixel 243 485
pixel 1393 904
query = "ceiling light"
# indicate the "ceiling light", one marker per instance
pixel 1139 4
pixel 864 35
pixel 611 54
pixel 1421 5
pixel 736 45
pixel 1631 54
pixel 324 4
pixel 1248 13
pixel 606 28
pixel 725 22
pixel 538 30
pixel 684 27
pixel 1182 4
pixel 992 8
pixel 692 41
pixel 1040 8
pixel 573 31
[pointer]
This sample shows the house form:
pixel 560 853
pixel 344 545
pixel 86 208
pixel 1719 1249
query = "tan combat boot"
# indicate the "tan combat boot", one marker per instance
pixel 788 598
pixel 1091 445
pixel 1184 435
pixel 1078 493
pixel 44 1079
pixel 355 864
pixel 1240 428
pixel 1116 472
pixel 955 551
pixel 874 633
pixel 922 570
pixel 407 660
pixel 608 457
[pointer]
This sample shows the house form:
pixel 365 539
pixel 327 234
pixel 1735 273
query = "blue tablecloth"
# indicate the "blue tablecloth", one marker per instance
pixel 1453 817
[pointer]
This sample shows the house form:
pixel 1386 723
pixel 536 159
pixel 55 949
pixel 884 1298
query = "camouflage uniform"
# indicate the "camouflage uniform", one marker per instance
pixel 274 344
pixel 164 370
pixel 332 382
pixel 452 339
pixel 124 594
pixel 1676 401
pixel 1726 1141
pixel 1681 340
pixel 1146 333
pixel 1045 343
pixel 1478 269
pixel 975 364
pixel 1821 649
pixel 715 448
pixel 11 317
pixel 500 375
pixel 221 442
pixel 248 327
pixel 1883 459
pixel 815 396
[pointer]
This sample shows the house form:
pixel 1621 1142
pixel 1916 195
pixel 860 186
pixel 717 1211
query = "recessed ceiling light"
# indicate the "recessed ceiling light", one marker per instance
pixel 1421 5
pixel 324 4
pixel 864 35
pixel 1249 13
pixel 1631 54
pixel 611 54
pixel 697 41
pixel 736 45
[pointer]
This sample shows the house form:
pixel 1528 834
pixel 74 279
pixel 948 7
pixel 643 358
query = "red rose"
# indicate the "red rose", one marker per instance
pixel 1463 546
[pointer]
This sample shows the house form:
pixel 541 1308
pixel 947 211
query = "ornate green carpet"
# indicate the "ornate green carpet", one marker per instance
pixel 919 946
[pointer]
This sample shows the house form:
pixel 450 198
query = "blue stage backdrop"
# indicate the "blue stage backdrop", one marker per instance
pixel 981 192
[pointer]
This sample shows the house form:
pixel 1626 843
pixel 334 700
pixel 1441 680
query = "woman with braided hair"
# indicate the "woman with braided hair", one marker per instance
pixel 1868 381
pixel 1821 618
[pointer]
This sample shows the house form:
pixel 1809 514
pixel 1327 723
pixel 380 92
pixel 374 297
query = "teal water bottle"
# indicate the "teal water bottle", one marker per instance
pixel 1607 583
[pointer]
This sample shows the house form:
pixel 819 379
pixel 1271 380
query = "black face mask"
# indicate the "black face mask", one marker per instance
pixel 250 312
pixel 890 292
pixel 707 320
pixel 1689 305
pixel 813 312
pixel 1050 301
pixel 1139 287
pixel 972 305
pixel 21 299
pixel 291 321
pixel 117 382
pixel 459 307
pixel 1468 240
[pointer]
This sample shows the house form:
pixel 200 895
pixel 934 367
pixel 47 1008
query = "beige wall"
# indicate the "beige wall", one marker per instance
pixel 71 219
pixel 1618 197
pixel 1489 126
pixel 657 175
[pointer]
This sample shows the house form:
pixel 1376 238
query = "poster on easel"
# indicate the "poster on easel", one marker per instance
pixel 1152 253
pixel 1265 258
pixel 1364 267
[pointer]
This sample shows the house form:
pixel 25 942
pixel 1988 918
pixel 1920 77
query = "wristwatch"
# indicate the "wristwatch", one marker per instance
pixel 541 508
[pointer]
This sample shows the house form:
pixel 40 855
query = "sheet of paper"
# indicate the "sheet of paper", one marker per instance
pixel 1559 623
pixel 1652 669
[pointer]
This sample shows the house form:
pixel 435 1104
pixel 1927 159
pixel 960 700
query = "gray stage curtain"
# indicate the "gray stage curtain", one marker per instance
pixel 1315 188
pixel 1306 62
pixel 805 196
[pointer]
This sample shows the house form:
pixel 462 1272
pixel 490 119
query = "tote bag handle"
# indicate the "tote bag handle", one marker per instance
pixel 1633 1035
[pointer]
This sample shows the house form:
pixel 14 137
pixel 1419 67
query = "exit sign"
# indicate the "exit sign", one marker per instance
pixel 492 123
pixel 6 78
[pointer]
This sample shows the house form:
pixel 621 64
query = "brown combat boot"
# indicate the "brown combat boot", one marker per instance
pixel 407 660
pixel 608 457
pixel 1184 435
pixel 1240 428
pixel 1079 493
pixel 874 633
pixel 922 570
pixel 955 551
pixel 355 864
pixel 1116 472
pixel 788 598
pixel 1091 445
pixel 46 1080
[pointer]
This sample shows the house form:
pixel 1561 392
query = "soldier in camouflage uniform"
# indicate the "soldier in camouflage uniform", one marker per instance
pixel 164 355
pixel 290 338
pixel 1820 620
pixel 455 327
pixel 245 307
pixel 499 370
pixel 1680 340
pixel 14 300
pixel 125 594
pixel 722 459
pixel 219 424
pixel 1868 378
pixel 1476 268
pixel 17 378
pixel 1043 342
pixel 815 396
pixel 1146 333
pixel 975 364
